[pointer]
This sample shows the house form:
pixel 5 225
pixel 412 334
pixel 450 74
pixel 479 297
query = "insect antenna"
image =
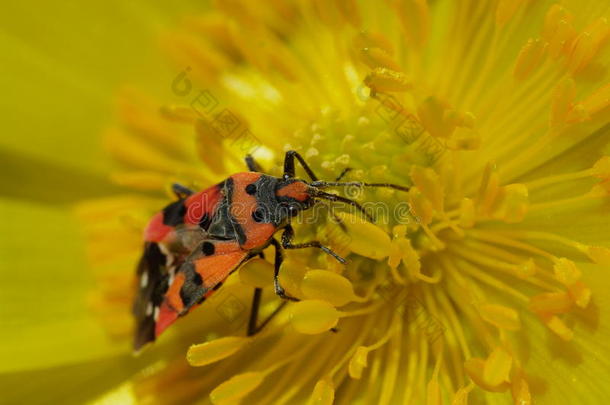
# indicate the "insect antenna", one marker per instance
pixel 324 184
pixel 333 197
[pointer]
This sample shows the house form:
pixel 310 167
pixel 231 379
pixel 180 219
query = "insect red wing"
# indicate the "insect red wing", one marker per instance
pixel 197 278
pixel 200 207
pixel 198 210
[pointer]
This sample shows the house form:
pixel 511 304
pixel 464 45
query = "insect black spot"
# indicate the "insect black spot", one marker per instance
pixel 251 189
pixel 258 215
pixel 186 297
pixel 208 248
pixel 197 278
pixel 205 221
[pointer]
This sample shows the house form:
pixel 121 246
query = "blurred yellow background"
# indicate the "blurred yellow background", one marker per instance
pixel 61 65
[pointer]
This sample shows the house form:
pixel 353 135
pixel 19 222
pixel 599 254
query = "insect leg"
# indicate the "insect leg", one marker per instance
pixel 181 191
pixel 288 235
pixel 289 169
pixel 252 164
pixel 256 300
pixel 277 264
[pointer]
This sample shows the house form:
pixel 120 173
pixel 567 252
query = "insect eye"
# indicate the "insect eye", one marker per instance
pixel 251 189
pixel 258 215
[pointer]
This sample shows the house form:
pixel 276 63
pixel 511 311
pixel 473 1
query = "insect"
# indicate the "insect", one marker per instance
pixel 197 241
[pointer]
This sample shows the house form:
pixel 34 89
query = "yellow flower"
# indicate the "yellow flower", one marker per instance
pixel 483 284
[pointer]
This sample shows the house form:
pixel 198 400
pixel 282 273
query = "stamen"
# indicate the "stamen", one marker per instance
pixel 352 353
pixel 494 237
pixel 359 360
pixel 559 327
pixel 383 80
pixel 323 392
pixel 363 237
pixel 508 268
pixel 477 273
pixel 554 16
pixel 593 104
pixel 312 317
pixel 520 388
pixel 562 101
pixel 588 44
pixel 599 255
pixel 215 350
pixel 581 52
pixel 461 396
pixel 433 389
pixel 501 316
pixel 397 247
pixel 475 367
pixel 367 39
pixel 430 185
pixel 497 367
pixel 377 58
pixel 236 387
pixel 328 286
pixel 551 303
pixel 530 58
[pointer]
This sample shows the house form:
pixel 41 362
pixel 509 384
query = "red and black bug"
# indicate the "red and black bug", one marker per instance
pixel 196 242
